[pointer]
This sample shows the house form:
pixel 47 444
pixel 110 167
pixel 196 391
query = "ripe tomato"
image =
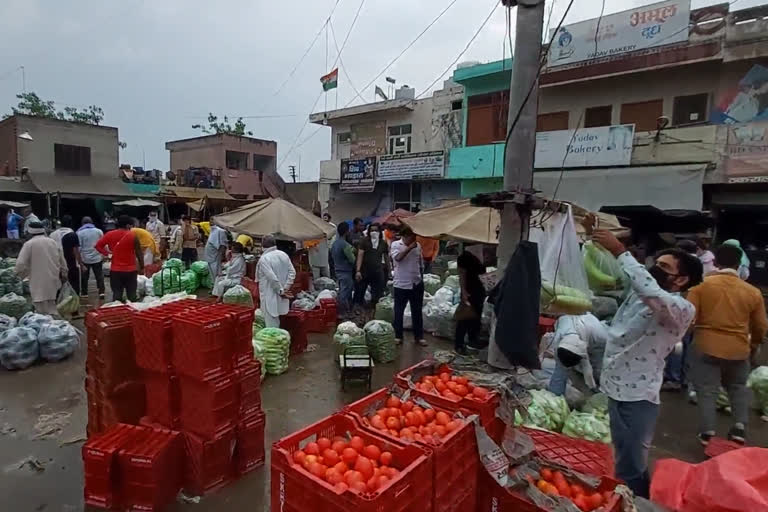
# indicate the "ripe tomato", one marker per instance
pixel 341 467
pixel 546 474
pixel 440 386
pixel 407 406
pixel 385 458
pixel 581 502
pixel 429 414
pixel 299 456
pixel 558 478
pixel 445 376
pixel 451 385
pixel 440 431
pixel 338 446
pixel 330 457
pixel 383 413
pixel 594 500
pixel 349 456
pixel 352 476
pixel 364 466
pixel 480 393
pixel 357 443
pixel 373 484
pixel 393 423
pixel 393 401
pixel 452 425
pixel 462 380
pixel 323 443
pixel 410 419
pixel 576 489
pixel 317 469
pixel 312 449
pixel 395 412
pixel 333 477
pixel 359 486
pixel 310 459
pixel 421 418
pixel 442 418
pixel 378 423
pixel 341 487
pixel 372 452
pixel 383 480
pixel 461 390
pixel 563 488
pixel 542 485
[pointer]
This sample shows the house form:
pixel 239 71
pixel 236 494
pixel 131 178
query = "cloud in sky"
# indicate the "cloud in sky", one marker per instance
pixel 158 67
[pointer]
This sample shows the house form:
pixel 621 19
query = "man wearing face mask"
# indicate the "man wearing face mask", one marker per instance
pixel 372 265
pixel 652 319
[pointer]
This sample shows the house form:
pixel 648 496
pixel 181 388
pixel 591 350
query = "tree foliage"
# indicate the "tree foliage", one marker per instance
pixel 30 104
pixel 223 127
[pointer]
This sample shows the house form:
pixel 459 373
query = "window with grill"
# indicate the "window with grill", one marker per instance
pixel 690 109
pixel 72 158
pixel 552 121
pixel 399 139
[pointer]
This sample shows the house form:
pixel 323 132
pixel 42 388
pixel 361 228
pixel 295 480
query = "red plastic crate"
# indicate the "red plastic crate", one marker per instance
pixel 294 489
pixel 329 308
pixel 99 464
pixel 94 316
pixel 202 344
pixel 208 408
pixel 208 462
pixel 486 409
pixel 124 404
pixel 163 398
pixel 151 470
pixel 243 330
pixel 295 322
pixel 111 354
pixel 454 484
pixel 153 338
pixel 249 388
pixel 249 446
pixel 316 321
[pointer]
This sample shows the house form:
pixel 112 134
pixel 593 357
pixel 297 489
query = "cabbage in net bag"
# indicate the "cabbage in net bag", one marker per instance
pixel 68 303
pixel 432 283
pixel 14 305
pixel 584 425
pixel 200 268
pixel 57 340
pixel 18 348
pixel 351 338
pixel 325 283
pixel 175 264
pixel 758 382
pixel 258 355
pixel 547 411
pixel 560 259
pixel 189 281
pixel 380 338
pixel 275 344
pixel 385 309
pixel 238 295
pixel 258 321
pixel 602 268
pixel 7 322
pixel 35 321
pixel 166 281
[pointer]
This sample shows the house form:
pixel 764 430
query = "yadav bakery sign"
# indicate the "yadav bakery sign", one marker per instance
pixel 636 29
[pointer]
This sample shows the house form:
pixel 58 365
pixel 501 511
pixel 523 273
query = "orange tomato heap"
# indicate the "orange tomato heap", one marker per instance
pixel 347 464
pixel 555 484
pixel 451 387
pixel 408 421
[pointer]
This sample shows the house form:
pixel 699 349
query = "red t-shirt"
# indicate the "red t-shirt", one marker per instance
pixel 121 245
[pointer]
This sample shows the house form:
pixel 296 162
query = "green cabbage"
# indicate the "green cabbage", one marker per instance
pixel 385 309
pixel 597 405
pixel 200 268
pixel 274 345
pixel 584 425
pixel 174 263
pixel 189 281
pixel 547 411
pixel 758 382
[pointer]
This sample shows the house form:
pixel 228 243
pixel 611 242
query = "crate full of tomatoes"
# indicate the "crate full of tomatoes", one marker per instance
pixel 441 386
pixel 450 435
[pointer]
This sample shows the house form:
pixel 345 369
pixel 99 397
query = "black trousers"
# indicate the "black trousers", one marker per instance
pixel 467 328
pixel 73 276
pixel 415 297
pixel 189 256
pixel 98 274
pixel 123 282
pixel 376 282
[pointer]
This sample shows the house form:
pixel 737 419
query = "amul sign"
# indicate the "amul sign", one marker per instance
pixel 636 29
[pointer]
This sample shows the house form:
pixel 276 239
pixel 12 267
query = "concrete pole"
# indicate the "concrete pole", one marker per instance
pixel 518 164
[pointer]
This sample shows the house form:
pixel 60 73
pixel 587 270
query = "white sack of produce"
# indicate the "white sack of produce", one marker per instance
pixel 444 295
pixel 453 283
pixel 380 338
pixel 547 411
pixel 68 302
pixel 57 340
pixel 258 355
pixel 18 348
pixel 238 295
pixel 758 382
pixel 7 322
pixel 584 425
pixel 385 309
pixel 351 338
pixel 438 318
pixel 303 304
pixel 275 344
pixel 602 268
pixel 35 321
pixel 13 305
pixel 141 285
pixel 432 283
pixel 325 283
pixel 407 317
pixel 325 294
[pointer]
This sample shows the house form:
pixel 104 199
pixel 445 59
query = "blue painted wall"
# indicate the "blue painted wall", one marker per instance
pixel 476 162
pixel 143 189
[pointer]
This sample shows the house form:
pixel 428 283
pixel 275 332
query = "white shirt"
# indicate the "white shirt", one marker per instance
pixel 275 275
pixel 406 272
pixel 28 220
pixel 156 228
pixel 58 234
pixel 236 267
pixel 643 332
pixel 88 238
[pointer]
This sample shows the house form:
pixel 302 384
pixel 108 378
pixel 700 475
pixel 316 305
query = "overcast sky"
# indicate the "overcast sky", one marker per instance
pixel 157 67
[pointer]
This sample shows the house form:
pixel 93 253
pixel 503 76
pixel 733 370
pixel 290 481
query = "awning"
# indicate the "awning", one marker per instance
pixel 196 205
pixel 10 184
pixel 196 193
pixel 71 185
pixel 667 187
pixel 12 204
pixel 138 202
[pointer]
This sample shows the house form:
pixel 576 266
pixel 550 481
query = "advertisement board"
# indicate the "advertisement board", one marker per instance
pixel 604 146
pixel 368 139
pixel 429 164
pixel 746 152
pixel 652 25
pixel 745 100
pixel 358 175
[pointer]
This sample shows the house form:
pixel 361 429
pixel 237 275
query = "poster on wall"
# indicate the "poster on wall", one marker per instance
pixel 636 29
pixel 603 146
pixel 368 139
pixel 358 175
pixel 429 164
pixel 745 101
pixel 747 152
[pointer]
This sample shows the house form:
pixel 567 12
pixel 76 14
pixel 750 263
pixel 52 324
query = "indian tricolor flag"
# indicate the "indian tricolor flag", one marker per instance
pixel 331 80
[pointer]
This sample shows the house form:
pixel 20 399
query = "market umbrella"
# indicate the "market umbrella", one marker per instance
pixel 138 202
pixel 457 221
pixel 277 217
pixel 394 218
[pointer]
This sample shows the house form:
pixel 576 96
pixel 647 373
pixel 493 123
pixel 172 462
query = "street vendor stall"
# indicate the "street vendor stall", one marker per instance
pixel 277 217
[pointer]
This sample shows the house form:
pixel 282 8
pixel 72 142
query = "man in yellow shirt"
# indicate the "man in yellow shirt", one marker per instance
pixel 729 327
pixel 246 241
pixel 148 246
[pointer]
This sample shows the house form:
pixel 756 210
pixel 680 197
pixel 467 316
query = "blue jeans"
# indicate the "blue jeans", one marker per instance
pixel 632 428
pixel 559 380
pixel 346 286
pixel 676 369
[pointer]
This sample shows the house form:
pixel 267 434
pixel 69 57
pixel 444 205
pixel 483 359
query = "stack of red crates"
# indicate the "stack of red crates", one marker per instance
pixel 295 322
pixel 330 312
pixel 113 384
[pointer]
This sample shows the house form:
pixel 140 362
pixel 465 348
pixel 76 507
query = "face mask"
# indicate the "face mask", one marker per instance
pixel 661 276
pixel 375 236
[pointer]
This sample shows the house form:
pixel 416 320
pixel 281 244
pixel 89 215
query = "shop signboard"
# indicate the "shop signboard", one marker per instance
pixel 744 101
pixel 426 165
pixel 746 152
pixel 358 175
pixel 368 139
pixel 635 29
pixel 603 146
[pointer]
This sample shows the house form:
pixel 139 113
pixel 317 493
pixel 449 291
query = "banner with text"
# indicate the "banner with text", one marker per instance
pixel 604 146
pixel 747 152
pixel 368 139
pixel 429 164
pixel 358 175
pixel 627 31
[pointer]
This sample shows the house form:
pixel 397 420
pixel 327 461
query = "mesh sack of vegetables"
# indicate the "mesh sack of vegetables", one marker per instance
pixel 452 282
pixel 34 321
pixel 325 283
pixel 258 355
pixel 385 309
pixel 547 411
pixel 380 338
pixel 351 338
pixel 276 346
pixel 200 268
pixel 189 281
pixel 303 304
pixel 758 382
pixel 444 295
pixel 206 281
pixel 258 321
pixel 57 340
pixel 432 283
pixel 584 425
pixel 18 348
pixel 597 405
pixel 9 263
pixel 7 322
pixel 14 305
pixel 174 263
pixel 238 295
pixel 445 326
pixel 603 269
pixel 168 280
pixel 68 302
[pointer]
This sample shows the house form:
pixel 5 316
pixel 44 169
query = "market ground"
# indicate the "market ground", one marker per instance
pixel 43 417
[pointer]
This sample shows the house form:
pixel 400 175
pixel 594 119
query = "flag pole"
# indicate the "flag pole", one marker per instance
pixel 325 94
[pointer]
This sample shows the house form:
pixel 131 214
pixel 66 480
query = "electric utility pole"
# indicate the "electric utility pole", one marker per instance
pixel 292 172
pixel 518 162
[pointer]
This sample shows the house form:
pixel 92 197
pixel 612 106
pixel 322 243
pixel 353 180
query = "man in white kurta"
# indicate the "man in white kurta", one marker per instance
pixel 42 260
pixel 234 274
pixel 275 275
pixel 156 228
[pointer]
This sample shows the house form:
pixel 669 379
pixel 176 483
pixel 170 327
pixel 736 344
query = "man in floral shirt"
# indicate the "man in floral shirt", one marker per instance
pixel 652 319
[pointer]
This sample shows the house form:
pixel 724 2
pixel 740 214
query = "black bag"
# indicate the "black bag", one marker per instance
pixel 516 303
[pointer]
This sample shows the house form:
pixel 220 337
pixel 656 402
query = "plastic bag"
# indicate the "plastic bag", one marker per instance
pixel 258 355
pixel 444 295
pixel 34 321
pixel 276 345
pixel 7 322
pixel 18 348
pixel 729 482
pixel 602 268
pixel 560 260
pixel 547 411
pixel 141 285
pixel 380 338
pixel 584 425
pixel 168 280
pixel 258 321
pixel 325 283
pixel 200 268
pixel 68 303
pixel 303 304
pixel 432 283
pixel 57 340
pixel 14 305
pixel 385 309
pixel 174 263
pixel 325 294
pixel 238 295
pixel 189 281
pixel 758 382
pixel 351 338
pixel 453 283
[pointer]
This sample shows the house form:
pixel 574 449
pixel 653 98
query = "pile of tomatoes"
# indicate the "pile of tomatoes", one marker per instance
pixel 347 464
pixel 555 484
pixel 451 387
pixel 410 422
